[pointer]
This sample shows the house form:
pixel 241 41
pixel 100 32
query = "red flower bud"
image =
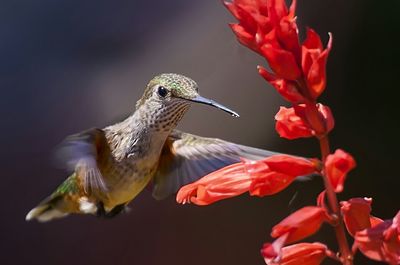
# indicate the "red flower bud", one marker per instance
pixel 298 121
pixel 300 224
pixel 314 63
pixel 302 253
pixel 337 166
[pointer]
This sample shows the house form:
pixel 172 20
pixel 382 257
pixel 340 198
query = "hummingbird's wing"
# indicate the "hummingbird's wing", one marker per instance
pixel 186 157
pixel 83 153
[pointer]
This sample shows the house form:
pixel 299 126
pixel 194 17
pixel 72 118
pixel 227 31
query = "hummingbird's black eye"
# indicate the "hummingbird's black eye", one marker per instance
pixel 162 91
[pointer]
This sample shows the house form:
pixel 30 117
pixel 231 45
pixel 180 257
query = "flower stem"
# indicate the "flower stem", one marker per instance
pixel 346 255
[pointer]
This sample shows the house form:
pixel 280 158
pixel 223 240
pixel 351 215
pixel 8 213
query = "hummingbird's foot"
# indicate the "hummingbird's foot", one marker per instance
pixel 101 212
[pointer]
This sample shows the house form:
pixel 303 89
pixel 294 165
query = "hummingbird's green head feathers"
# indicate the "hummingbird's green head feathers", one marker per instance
pixel 168 89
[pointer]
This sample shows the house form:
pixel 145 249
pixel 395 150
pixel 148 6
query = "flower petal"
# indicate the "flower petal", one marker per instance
pixel 227 182
pixel 356 214
pixel 337 166
pixel 291 165
pixel 287 89
pixel 302 253
pixel 281 61
pixel 289 125
pixel 301 224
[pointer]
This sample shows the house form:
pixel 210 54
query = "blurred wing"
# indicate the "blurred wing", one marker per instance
pixel 186 157
pixel 83 153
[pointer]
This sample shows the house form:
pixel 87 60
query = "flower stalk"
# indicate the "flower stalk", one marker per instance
pixel 298 73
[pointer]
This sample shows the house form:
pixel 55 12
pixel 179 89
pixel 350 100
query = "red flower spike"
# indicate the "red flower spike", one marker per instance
pixel 356 214
pixel 302 253
pixel 227 182
pixel 337 166
pixel 314 63
pixel 287 89
pixel 381 242
pixel 293 123
pixel 301 224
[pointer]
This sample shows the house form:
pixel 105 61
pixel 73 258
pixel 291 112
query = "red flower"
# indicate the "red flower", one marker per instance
pixel 299 121
pixel 227 182
pixel 313 62
pixel 302 253
pixel 275 173
pixel 337 166
pixel 381 242
pixel 260 178
pixel 356 214
pixel 258 18
pixel 300 224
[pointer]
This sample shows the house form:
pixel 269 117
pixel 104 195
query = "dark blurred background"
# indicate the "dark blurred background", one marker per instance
pixel 69 65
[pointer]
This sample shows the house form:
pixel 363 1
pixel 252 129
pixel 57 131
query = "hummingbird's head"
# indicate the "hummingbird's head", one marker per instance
pixel 168 92
pixel 167 98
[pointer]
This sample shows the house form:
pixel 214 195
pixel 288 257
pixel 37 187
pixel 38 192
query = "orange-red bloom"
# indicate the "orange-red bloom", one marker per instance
pixel 381 242
pixel 260 178
pixel 337 166
pixel 302 253
pixel 313 62
pixel 356 214
pixel 227 182
pixel 296 122
pixel 298 225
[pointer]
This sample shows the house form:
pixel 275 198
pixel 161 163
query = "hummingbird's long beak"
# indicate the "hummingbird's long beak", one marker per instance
pixel 200 99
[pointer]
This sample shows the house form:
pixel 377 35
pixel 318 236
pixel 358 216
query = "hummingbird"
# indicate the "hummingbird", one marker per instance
pixel 109 167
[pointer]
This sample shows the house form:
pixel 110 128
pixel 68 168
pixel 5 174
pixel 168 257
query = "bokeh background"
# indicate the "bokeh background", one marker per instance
pixel 69 65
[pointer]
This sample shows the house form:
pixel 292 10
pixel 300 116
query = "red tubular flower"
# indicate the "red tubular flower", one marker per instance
pixel 382 241
pixel 260 178
pixel 356 214
pixel 295 122
pixel 275 173
pixel 227 182
pixel 337 166
pixel 313 62
pixel 300 224
pixel 302 253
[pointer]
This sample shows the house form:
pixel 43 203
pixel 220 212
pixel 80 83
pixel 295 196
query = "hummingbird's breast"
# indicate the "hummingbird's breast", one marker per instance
pixel 136 145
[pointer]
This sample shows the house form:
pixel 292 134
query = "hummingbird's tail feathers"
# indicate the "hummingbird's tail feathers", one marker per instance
pixel 46 210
